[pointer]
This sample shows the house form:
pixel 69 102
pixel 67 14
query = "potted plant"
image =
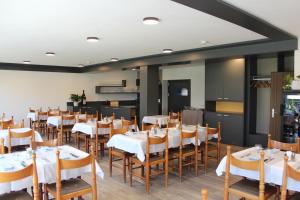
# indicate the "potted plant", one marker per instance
pixel 287 81
pixel 75 98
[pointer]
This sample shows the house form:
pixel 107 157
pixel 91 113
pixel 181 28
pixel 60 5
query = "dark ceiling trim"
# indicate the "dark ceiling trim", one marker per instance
pixel 41 68
pixel 225 11
pixel 241 49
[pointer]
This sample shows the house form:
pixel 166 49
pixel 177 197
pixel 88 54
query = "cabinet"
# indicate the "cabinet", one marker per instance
pixel 225 80
pixel 232 126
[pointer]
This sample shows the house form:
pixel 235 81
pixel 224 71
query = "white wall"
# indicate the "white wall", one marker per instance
pixel 21 89
pixel 195 72
pixel 297 61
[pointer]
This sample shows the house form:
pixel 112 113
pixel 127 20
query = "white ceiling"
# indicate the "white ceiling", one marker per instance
pixel 32 27
pixel 284 14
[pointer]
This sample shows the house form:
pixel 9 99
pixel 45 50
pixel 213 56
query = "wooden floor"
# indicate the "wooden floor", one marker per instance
pixel 114 188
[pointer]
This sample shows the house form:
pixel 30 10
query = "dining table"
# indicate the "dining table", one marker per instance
pixel 19 141
pixel 156 119
pixel 273 166
pixel 46 166
pixel 34 116
pixel 135 142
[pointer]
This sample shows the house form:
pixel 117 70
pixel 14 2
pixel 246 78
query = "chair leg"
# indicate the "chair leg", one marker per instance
pixel 166 173
pixel 124 169
pixel 196 164
pixel 110 163
pixel 180 167
pixel 130 172
pixel 148 179
pixel 46 196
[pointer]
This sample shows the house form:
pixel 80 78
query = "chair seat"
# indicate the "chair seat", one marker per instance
pixel 119 151
pixel 188 150
pixel 70 186
pixel 153 159
pixel 20 195
pixel 252 187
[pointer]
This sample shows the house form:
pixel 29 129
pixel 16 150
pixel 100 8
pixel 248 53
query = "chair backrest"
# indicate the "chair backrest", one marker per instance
pixel 212 131
pixel 53 113
pixel 73 164
pixel 187 135
pixel 70 118
pixel 156 141
pixel 31 110
pixel 288 172
pixel 23 173
pixel 114 131
pixel 5 124
pixel 64 112
pixel 171 124
pixel 174 115
pixel 257 165
pixel 2 150
pixel 284 146
pixel 92 117
pixel 204 194
pixel 21 124
pixel 48 143
pixel 40 114
pixel 19 135
pixel 126 123
pixel 148 127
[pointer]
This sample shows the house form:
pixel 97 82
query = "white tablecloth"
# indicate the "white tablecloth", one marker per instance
pixel 135 142
pixel 273 167
pixel 89 128
pixel 19 141
pixel 160 119
pixel 46 166
pixel 56 121
pixel 34 116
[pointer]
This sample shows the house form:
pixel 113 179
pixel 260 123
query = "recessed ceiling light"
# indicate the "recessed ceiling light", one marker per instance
pixel 114 59
pixel 80 65
pixel 50 54
pixel 133 69
pixel 167 51
pixel 151 20
pixel 26 62
pixel 204 42
pixel 92 39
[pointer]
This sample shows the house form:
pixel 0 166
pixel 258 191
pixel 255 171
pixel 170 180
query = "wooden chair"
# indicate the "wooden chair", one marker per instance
pixel 21 124
pixel 204 194
pixel 65 130
pixel 41 123
pixel 19 175
pixel 171 124
pixel 69 189
pixel 284 146
pixel 151 160
pixel 174 117
pixel 2 150
pixel 49 143
pixel 18 135
pixel 64 112
pixel 209 146
pixel 5 124
pixel 130 123
pixel 187 154
pixel 148 127
pixel 289 172
pixel 245 188
pixel 121 155
pixel 51 129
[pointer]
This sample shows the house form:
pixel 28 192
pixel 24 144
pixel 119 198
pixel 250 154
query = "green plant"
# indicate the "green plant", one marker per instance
pixel 75 97
pixel 298 77
pixel 287 81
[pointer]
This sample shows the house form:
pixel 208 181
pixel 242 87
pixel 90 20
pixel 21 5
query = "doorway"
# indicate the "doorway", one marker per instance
pixel 179 95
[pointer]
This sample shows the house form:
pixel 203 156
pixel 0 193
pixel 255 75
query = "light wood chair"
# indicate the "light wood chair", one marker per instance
pixel 19 135
pixel 130 123
pixel 5 124
pixel 204 194
pixel 295 147
pixel 245 188
pixel 119 154
pixel 172 124
pixel 41 123
pixel 69 189
pixel 187 154
pixel 151 160
pixel 2 149
pixel 289 172
pixel 174 117
pixel 48 143
pixel 64 112
pixel 65 129
pixel 148 127
pixel 51 129
pixel 211 146
pixel 20 124
pixel 19 175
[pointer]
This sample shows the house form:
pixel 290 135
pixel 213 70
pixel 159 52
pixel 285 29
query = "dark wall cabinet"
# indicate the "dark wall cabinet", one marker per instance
pixel 225 80
pixel 232 126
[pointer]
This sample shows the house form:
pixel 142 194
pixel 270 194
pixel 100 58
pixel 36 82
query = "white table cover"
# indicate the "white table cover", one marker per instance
pixel 34 116
pixel 89 128
pixel 46 166
pixel 273 167
pixel 19 141
pixel 135 142
pixel 56 121
pixel 160 119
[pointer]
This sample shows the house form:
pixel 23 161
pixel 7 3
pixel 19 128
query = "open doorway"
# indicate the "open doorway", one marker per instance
pixel 179 94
